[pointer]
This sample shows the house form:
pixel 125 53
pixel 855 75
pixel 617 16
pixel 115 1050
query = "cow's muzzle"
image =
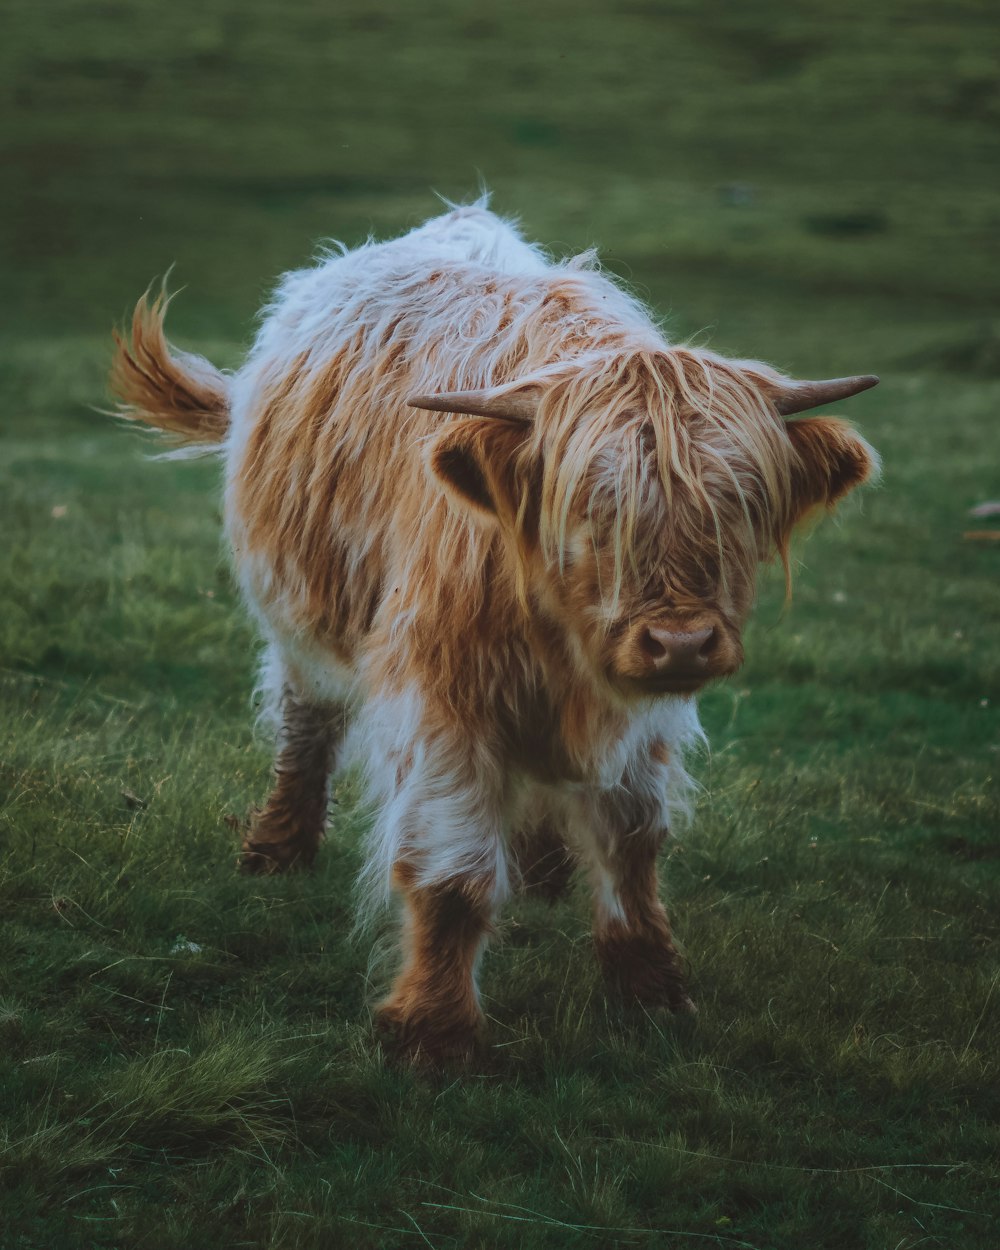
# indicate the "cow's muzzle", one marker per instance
pixel 679 657
pixel 676 654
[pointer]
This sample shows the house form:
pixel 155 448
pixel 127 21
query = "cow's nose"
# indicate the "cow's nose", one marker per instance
pixel 679 654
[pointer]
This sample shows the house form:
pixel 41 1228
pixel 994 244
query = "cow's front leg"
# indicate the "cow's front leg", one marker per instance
pixel 632 935
pixel 621 830
pixel 287 830
pixel 432 1013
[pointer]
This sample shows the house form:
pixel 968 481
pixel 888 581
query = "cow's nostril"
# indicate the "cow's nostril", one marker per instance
pixel 708 646
pixel 652 646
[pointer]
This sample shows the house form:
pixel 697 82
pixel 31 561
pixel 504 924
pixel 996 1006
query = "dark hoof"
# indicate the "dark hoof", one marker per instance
pixel 672 999
pixel 425 1043
pixel 261 857
pixel 646 973
pixel 269 858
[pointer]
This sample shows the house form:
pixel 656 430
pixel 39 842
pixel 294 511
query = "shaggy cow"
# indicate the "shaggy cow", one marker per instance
pixel 479 498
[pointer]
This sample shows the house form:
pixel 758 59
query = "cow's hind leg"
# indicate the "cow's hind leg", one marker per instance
pixel 432 1013
pixel 287 830
pixel 544 861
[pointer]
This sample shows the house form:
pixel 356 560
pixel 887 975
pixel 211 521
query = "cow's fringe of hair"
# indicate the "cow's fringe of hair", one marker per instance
pixel 597 414
pixel 179 394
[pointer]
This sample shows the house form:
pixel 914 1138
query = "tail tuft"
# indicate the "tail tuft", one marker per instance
pixel 175 392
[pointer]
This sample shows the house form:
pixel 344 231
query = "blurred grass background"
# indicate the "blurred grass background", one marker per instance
pixel 721 159
pixel 185 1054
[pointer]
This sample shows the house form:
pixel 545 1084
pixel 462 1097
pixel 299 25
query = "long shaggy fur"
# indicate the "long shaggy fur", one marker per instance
pixel 482 590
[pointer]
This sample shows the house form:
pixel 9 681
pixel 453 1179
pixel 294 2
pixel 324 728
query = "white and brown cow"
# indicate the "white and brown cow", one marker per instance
pixel 476 497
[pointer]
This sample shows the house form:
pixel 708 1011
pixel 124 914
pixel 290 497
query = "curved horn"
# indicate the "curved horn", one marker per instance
pixel 794 397
pixel 479 404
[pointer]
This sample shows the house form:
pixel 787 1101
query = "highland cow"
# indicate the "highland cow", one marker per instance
pixel 477 499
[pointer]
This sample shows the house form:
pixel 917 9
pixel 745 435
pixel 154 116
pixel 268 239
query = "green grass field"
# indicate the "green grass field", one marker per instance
pixel 186 1055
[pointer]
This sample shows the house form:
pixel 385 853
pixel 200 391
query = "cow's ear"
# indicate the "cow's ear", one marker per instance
pixel 482 464
pixel 832 458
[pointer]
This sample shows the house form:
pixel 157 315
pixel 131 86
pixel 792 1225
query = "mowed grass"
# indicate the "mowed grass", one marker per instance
pixel 186 1055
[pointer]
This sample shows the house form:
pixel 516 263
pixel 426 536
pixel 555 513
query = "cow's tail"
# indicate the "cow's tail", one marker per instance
pixel 181 395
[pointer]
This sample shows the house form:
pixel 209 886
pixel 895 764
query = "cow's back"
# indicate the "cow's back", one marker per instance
pixel 473 233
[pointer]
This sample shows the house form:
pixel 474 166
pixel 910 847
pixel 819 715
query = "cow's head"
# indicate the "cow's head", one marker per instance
pixel 642 492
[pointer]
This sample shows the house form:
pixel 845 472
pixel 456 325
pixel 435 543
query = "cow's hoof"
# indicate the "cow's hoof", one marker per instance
pixel 260 856
pixel 426 1043
pixel 671 1000
pixel 269 858
pixel 646 973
